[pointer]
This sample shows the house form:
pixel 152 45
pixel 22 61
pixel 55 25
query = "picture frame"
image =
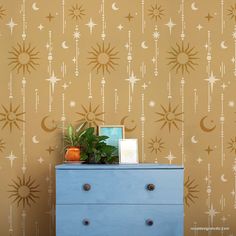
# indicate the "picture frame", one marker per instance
pixel 128 151
pixel 114 132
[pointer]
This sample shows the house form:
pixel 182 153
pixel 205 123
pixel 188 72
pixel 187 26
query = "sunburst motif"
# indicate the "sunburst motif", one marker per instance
pixel 77 12
pixel 169 117
pixel 90 115
pixel 190 191
pixel 103 58
pixel 156 145
pixel 23 58
pixel 2 145
pixel 24 191
pixel 182 58
pixel 11 117
pixel 232 145
pixel 232 12
pixel 156 12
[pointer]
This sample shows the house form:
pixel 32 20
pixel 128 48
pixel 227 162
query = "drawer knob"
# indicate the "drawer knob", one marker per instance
pixel 150 187
pixel 149 222
pixel 86 222
pixel 86 187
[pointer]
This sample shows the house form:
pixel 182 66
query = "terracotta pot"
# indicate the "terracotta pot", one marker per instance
pixel 72 154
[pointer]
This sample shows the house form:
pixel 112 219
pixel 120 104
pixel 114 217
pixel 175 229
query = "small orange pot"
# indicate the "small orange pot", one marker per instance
pixel 72 154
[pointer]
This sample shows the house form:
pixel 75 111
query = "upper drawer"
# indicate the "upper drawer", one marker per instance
pixel 119 186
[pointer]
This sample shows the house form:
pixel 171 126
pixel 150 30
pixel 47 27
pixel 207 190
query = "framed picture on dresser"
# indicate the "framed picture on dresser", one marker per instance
pixel 114 132
pixel 128 151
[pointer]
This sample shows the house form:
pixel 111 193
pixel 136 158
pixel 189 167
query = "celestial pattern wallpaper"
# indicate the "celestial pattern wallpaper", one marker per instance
pixel 165 69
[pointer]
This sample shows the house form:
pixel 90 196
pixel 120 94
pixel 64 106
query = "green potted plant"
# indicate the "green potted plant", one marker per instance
pixel 71 142
pixel 94 148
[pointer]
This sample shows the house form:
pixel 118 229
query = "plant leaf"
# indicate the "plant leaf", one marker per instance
pixel 83 157
pixel 102 137
pixel 70 130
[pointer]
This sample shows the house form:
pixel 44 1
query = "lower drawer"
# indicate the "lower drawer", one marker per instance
pixel 119 220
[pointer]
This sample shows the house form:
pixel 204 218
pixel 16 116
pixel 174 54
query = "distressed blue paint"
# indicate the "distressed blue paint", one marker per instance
pixel 120 186
pixel 120 166
pixel 115 220
pixel 118 203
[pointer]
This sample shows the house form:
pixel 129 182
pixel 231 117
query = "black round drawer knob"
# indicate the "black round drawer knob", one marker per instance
pixel 149 222
pixel 86 222
pixel 86 187
pixel 150 187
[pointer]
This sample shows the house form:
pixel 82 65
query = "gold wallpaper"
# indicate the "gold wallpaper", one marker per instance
pixel 166 69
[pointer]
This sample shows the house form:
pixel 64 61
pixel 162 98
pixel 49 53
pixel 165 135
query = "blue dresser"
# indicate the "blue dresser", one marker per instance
pixel 119 200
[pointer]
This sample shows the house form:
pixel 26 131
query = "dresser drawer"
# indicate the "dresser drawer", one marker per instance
pixel 119 220
pixel 119 186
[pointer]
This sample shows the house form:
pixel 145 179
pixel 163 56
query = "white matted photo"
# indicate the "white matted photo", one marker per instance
pixel 128 151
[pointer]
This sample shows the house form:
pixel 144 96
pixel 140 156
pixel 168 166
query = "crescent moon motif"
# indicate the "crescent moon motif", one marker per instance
pixel 114 7
pixel 143 45
pixel 223 179
pixel 203 126
pixel 193 140
pixel 45 128
pixel 63 45
pixel 223 45
pixel 34 6
pixel 193 6
pixel 34 140
pixel 122 122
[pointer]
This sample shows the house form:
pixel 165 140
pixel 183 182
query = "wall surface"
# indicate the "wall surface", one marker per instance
pixel 164 69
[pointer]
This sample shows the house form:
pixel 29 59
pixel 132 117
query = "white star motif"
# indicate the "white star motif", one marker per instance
pixel 40 160
pixel 223 219
pixel 120 27
pixel 170 25
pixel 91 25
pixel 212 213
pixel 212 80
pixel 224 86
pixel 234 34
pixel 72 103
pixel 199 160
pixel 231 103
pixel 156 35
pixel 65 86
pixel 170 157
pixel 74 60
pixel 234 168
pixel 127 45
pixel 152 103
pixel 40 27
pixel 11 158
pixel 76 35
pixel 199 27
pixel 132 79
pixel 144 86
pixel 53 80
pixel 11 25
pixel 153 60
pixel 23 168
